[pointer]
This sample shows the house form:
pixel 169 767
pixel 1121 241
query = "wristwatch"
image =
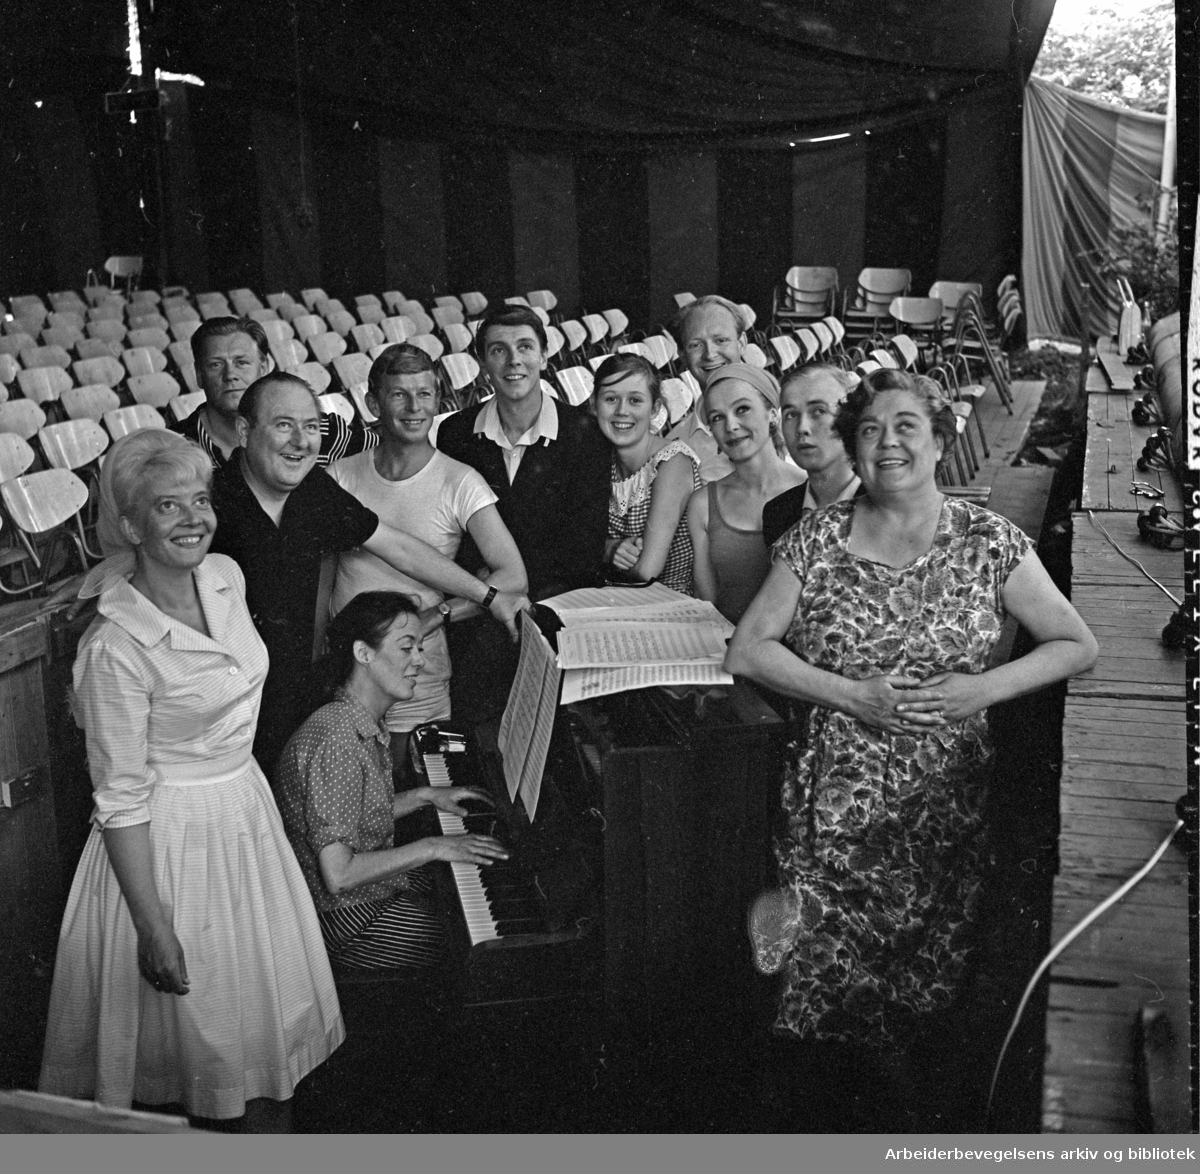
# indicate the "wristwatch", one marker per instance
pixel 487 599
pixel 444 612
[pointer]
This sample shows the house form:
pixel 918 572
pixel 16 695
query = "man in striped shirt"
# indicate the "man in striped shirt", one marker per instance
pixel 230 354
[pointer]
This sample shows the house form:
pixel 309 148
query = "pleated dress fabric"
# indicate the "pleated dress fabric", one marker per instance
pixel 170 717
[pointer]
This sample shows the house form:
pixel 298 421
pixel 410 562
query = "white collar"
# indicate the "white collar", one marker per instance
pixel 544 428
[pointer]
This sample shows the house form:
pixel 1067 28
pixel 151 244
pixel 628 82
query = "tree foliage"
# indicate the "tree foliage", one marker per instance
pixel 1121 56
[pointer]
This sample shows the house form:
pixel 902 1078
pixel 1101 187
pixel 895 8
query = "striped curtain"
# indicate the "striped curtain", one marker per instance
pixel 1086 166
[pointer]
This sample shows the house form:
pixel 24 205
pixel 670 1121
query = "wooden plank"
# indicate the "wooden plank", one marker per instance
pixel 1080 791
pixel 1114 444
pixel 1021 494
pixel 1120 376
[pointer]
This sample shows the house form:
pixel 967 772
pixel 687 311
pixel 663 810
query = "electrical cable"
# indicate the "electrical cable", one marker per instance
pixel 1066 940
pixel 1129 558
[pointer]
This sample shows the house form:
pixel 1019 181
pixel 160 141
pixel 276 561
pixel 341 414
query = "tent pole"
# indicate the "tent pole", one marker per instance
pixel 1166 180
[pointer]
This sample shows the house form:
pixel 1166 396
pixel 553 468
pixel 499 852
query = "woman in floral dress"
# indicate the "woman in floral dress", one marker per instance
pixel 882 612
pixel 652 477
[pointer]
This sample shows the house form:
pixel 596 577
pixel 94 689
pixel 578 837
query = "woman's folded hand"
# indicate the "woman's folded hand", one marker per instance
pixel 160 960
pixel 958 696
pixel 899 705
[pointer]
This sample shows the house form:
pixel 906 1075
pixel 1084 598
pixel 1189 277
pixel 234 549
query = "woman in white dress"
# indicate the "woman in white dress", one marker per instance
pixel 190 967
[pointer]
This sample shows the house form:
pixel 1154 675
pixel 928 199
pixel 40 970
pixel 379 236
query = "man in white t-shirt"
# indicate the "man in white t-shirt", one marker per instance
pixel 415 488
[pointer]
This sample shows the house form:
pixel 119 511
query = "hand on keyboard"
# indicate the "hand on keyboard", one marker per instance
pixel 468 849
pixel 452 799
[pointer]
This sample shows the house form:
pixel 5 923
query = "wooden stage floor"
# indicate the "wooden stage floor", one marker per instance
pixel 1123 769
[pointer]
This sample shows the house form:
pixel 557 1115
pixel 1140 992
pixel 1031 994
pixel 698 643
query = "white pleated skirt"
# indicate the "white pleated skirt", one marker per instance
pixel 261 1011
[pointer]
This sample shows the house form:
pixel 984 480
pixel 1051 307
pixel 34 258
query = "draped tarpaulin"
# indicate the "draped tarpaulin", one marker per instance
pixel 1089 168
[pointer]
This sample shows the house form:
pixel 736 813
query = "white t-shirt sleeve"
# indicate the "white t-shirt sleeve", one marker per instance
pixel 471 494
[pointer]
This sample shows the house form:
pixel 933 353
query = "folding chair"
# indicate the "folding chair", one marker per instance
pixel 39 504
pixel 23 417
pixel 678 398
pixel 866 312
pixel 290 311
pixel 22 304
pixel 921 320
pixel 147 322
pixel 179 316
pixel 183 329
pixel 753 354
pixel 429 343
pixel 96 348
pixel 109 309
pixel 148 336
pixel 806 293
pixel 275 300
pixel 657 352
pixel 127 269
pixel 959 392
pixel 244 301
pixel 264 316
pixel 422 321
pixel 366 336
pixel 906 351
pixel 576 384
pixel 443 316
pixel 182 406
pixel 684 299
pixel 144 297
pixel 45 356
pixel 72 444
pixel 157 390
pixel 369 299
pixel 576 336
pixel 461 374
pixel 951 293
pixel 327 306
pixel 352 370
pixel 180 353
pixel 8 369
pixel 15 456
pixel 542 298
pixel 14 344
pixel 336 404
pixel 188 376
pixel 549 389
pixel 103 370
pixel 460 338
pixel 597 328
pixel 107 329
pixel 68 319
pixel 316 376
pixel 66 301
pixel 90 402
pixel 62 336
pixel 288 354
pixel 326 347
pixel 393 298
pixel 448 302
pixel 518 300
pixel 43 385
pixel 786 350
pixel 595 361
pixel 278 330
pixel 618 324
pixel 143 360
pixel 30 324
pixel 341 322
pixel 309 326
pixel 633 348
pixel 397 329
pixel 694 388
pixel 123 421
pixel 474 303
pixel 358 396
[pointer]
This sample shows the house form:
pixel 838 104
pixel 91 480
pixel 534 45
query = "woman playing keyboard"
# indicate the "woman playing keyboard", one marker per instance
pixel 374 900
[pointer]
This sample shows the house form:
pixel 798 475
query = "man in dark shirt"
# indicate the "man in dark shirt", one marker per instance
pixel 230 354
pixel 546 461
pixel 550 467
pixel 278 516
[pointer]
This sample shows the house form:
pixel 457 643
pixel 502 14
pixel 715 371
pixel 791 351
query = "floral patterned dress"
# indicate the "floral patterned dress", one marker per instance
pixel 885 843
pixel 629 509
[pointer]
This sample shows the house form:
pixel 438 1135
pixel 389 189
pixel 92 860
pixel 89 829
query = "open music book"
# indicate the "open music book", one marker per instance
pixel 619 638
pixel 528 721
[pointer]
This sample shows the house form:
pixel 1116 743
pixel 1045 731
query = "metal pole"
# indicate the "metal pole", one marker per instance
pixel 1085 339
pixel 1166 181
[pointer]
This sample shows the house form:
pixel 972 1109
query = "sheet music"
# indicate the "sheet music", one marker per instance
pixel 581 684
pixel 528 721
pixel 638 643
pixel 683 611
pixel 609 597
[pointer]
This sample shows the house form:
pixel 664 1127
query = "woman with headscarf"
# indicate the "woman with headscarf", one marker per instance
pixel 730 560
pixel 190 967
